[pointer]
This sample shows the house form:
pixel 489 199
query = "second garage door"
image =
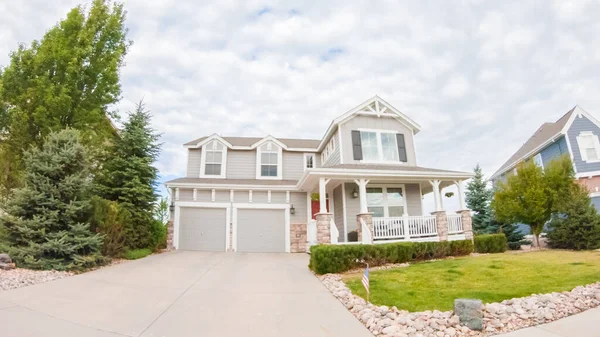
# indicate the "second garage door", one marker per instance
pixel 261 230
pixel 202 228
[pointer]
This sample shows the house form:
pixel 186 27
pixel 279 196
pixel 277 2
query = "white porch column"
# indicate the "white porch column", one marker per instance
pixel 323 195
pixel 362 192
pixel 437 196
pixel 461 195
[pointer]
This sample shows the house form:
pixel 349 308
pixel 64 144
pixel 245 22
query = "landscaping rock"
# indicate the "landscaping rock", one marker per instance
pixel 470 313
pixel 7 266
pixel 4 258
pixel 17 278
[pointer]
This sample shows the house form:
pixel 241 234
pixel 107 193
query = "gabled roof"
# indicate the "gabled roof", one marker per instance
pixel 374 106
pixel 249 142
pixel 544 136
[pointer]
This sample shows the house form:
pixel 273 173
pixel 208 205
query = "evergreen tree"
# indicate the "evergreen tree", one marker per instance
pixel 576 225
pixel 45 221
pixel 129 177
pixel 67 79
pixel 478 197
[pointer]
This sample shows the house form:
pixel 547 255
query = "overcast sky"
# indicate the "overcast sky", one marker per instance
pixel 479 76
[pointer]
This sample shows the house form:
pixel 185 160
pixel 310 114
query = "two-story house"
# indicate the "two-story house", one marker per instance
pixel 574 134
pixel 275 194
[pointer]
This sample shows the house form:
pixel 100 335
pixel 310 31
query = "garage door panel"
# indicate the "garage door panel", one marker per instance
pixel 261 230
pixel 202 229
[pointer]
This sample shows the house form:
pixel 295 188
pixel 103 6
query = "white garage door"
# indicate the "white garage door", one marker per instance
pixel 202 228
pixel 261 230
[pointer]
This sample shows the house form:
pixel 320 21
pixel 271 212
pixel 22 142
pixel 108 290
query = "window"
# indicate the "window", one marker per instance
pixel 329 149
pixel 379 146
pixel 537 159
pixel 268 161
pixel 309 160
pixel 214 156
pixel 589 147
pixel 386 201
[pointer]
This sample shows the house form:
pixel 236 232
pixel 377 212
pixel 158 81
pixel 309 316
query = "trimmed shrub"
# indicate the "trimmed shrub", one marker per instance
pixel 492 243
pixel 135 254
pixel 339 258
pixel 159 235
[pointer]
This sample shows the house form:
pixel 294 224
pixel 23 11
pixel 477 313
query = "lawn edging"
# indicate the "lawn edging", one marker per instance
pixel 506 316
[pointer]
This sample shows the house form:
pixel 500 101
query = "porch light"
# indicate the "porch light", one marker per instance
pixel 354 193
pixel 292 210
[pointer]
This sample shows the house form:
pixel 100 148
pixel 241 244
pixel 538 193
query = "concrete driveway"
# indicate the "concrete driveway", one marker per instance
pixel 182 294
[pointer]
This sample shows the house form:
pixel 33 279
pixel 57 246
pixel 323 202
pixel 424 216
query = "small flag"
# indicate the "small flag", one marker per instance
pixel 365 279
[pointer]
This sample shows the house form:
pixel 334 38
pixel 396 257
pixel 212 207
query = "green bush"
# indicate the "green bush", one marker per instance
pixel 109 219
pixel 158 231
pixel 339 258
pixel 492 243
pixel 135 254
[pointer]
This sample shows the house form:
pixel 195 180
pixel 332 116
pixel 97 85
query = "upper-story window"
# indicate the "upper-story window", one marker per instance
pixel 537 159
pixel 378 146
pixel 589 146
pixel 309 161
pixel 329 149
pixel 214 158
pixel 268 161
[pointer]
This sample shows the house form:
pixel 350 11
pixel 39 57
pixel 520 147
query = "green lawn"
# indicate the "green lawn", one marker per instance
pixel 491 278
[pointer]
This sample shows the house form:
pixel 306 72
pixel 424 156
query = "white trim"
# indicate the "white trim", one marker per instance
pixel 231 195
pixel 340 141
pixel 595 143
pixel 267 139
pixel 222 174
pixel 571 152
pixel 232 186
pixel 279 152
pixel 214 136
pixel 250 196
pixel 213 194
pixel 269 196
pixel 287 197
pixel 538 157
pixel 304 161
pixel 284 207
pixel 180 204
pixel 587 174
pixel 594 194
pixel 344 211
pixel 308 207
pixel 421 197
pixel 195 194
pixel 177 194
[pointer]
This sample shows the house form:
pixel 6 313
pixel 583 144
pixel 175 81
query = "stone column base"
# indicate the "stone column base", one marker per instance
pixel 323 227
pixel 368 219
pixel 441 221
pixel 467 223
pixel 298 238
pixel 170 232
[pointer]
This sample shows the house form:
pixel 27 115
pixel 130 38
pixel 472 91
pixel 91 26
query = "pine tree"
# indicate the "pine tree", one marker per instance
pixel 129 177
pixel 478 197
pixel 576 225
pixel 45 225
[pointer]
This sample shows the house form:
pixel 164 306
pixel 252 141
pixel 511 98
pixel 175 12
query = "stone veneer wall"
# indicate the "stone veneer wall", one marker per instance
pixel 368 219
pixel 442 224
pixel 323 227
pixel 170 231
pixel 467 223
pixel 298 238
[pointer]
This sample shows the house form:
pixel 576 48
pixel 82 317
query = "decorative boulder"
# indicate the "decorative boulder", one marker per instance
pixel 6 262
pixel 470 313
pixel 4 258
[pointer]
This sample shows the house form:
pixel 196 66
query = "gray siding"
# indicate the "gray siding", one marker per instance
pixel 352 207
pixel 193 164
pixel 369 122
pixel 240 196
pixel 596 203
pixel 334 157
pixel 338 210
pixel 413 199
pixel 241 164
pixel 298 199
pixel 293 165
pixel 554 151
pixel 259 197
pixel 582 124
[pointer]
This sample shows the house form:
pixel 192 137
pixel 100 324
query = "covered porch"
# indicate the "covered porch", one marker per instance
pixel 384 205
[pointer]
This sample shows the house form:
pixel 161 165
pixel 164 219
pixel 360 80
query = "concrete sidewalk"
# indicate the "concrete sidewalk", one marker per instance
pixel 585 324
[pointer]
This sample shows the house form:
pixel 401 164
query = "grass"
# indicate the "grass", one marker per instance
pixel 490 278
pixel 136 254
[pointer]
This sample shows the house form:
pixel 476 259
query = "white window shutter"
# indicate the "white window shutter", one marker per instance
pixel 596 145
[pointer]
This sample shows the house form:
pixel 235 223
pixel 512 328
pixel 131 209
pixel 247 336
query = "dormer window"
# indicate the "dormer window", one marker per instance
pixel 268 161
pixel 214 159
pixel 309 161
pixel 589 147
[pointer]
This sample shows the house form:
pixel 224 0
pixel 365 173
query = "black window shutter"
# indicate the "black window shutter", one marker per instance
pixel 356 145
pixel 401 147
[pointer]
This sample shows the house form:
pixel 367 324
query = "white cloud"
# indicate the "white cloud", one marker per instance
pixel 479 77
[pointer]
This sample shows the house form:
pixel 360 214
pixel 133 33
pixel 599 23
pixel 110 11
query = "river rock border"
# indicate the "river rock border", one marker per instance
pixel 508 315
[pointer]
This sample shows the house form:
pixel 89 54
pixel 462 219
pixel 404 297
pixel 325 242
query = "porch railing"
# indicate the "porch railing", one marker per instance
pixel 455 224
pixel 405 227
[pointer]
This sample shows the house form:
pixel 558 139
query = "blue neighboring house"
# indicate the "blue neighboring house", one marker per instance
pixel 576 134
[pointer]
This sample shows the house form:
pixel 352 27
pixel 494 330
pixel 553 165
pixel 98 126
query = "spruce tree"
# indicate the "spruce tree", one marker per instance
pixel 478 197
pixel 45 225
pixel 129 177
